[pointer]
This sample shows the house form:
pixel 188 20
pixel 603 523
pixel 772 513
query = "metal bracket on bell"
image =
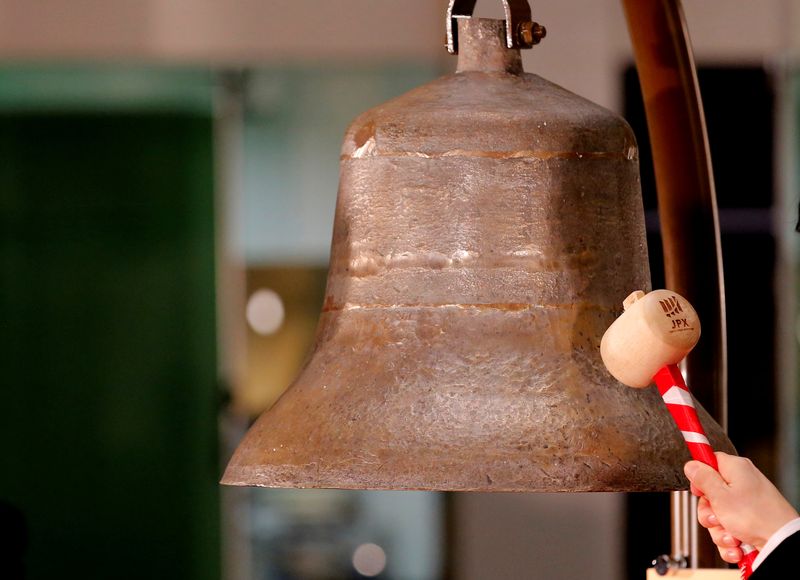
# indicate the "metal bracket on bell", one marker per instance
pixel 521 31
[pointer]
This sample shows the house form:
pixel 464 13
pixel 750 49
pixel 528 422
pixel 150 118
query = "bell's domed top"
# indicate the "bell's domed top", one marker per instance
pixel 491 108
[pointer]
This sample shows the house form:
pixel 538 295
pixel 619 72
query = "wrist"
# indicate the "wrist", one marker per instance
pixel 788 529
pixel 774 525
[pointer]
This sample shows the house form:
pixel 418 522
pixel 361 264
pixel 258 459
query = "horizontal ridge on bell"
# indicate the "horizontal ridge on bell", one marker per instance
pixel 488 226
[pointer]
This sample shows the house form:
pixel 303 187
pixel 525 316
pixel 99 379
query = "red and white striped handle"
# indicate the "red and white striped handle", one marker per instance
pixel 680 404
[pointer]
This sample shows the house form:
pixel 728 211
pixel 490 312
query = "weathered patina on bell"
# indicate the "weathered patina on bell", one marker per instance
pixel 488 226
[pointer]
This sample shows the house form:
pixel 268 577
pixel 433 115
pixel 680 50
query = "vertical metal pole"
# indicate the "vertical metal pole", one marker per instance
pixel 683 533
pixel 694 539
pixel 687 202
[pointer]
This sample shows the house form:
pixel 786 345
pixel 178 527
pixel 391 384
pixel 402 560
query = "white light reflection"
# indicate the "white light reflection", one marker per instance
pixel 369 560
pixel 265 311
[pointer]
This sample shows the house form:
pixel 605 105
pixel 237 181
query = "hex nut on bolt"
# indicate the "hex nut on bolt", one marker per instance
pixel 531 33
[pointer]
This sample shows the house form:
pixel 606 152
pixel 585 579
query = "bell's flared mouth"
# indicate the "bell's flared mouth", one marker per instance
pixel 467 399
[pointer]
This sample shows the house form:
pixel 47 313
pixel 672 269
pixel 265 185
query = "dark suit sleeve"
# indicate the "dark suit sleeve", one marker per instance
pixel 783 563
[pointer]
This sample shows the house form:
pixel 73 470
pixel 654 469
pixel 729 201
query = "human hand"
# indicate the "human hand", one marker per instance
pixel 737 504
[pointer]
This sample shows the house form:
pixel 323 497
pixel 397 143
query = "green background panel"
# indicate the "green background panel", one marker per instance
pixel 107 342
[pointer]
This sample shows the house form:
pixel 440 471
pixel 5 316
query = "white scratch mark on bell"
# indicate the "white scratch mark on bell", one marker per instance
pixel 366 150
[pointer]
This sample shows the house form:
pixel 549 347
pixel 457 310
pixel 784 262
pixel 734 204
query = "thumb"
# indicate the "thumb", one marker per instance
pixel 705 479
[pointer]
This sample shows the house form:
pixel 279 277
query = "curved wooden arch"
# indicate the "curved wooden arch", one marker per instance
pixel 687 206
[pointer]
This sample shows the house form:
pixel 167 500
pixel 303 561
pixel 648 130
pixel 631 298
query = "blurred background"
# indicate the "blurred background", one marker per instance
pixel 168 174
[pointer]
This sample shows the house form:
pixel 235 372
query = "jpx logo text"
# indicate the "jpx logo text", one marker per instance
pixel 672 308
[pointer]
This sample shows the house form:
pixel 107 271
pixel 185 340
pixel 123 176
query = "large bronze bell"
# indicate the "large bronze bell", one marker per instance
pixel 489 225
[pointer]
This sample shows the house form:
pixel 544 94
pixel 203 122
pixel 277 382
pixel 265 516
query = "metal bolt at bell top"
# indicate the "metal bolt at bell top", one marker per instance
pixel 531 33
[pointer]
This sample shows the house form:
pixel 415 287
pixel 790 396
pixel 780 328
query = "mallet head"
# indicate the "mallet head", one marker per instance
pixel 656 329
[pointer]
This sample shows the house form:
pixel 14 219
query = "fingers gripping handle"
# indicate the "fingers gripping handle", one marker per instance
pixel 680 404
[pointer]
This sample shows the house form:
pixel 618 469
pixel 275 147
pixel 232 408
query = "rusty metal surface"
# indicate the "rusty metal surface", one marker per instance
pixel 488 226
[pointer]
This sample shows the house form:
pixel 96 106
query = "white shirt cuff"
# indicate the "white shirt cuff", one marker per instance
pixel 775 540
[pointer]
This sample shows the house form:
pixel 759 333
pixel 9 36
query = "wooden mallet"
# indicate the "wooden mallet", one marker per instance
pixel 645 345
